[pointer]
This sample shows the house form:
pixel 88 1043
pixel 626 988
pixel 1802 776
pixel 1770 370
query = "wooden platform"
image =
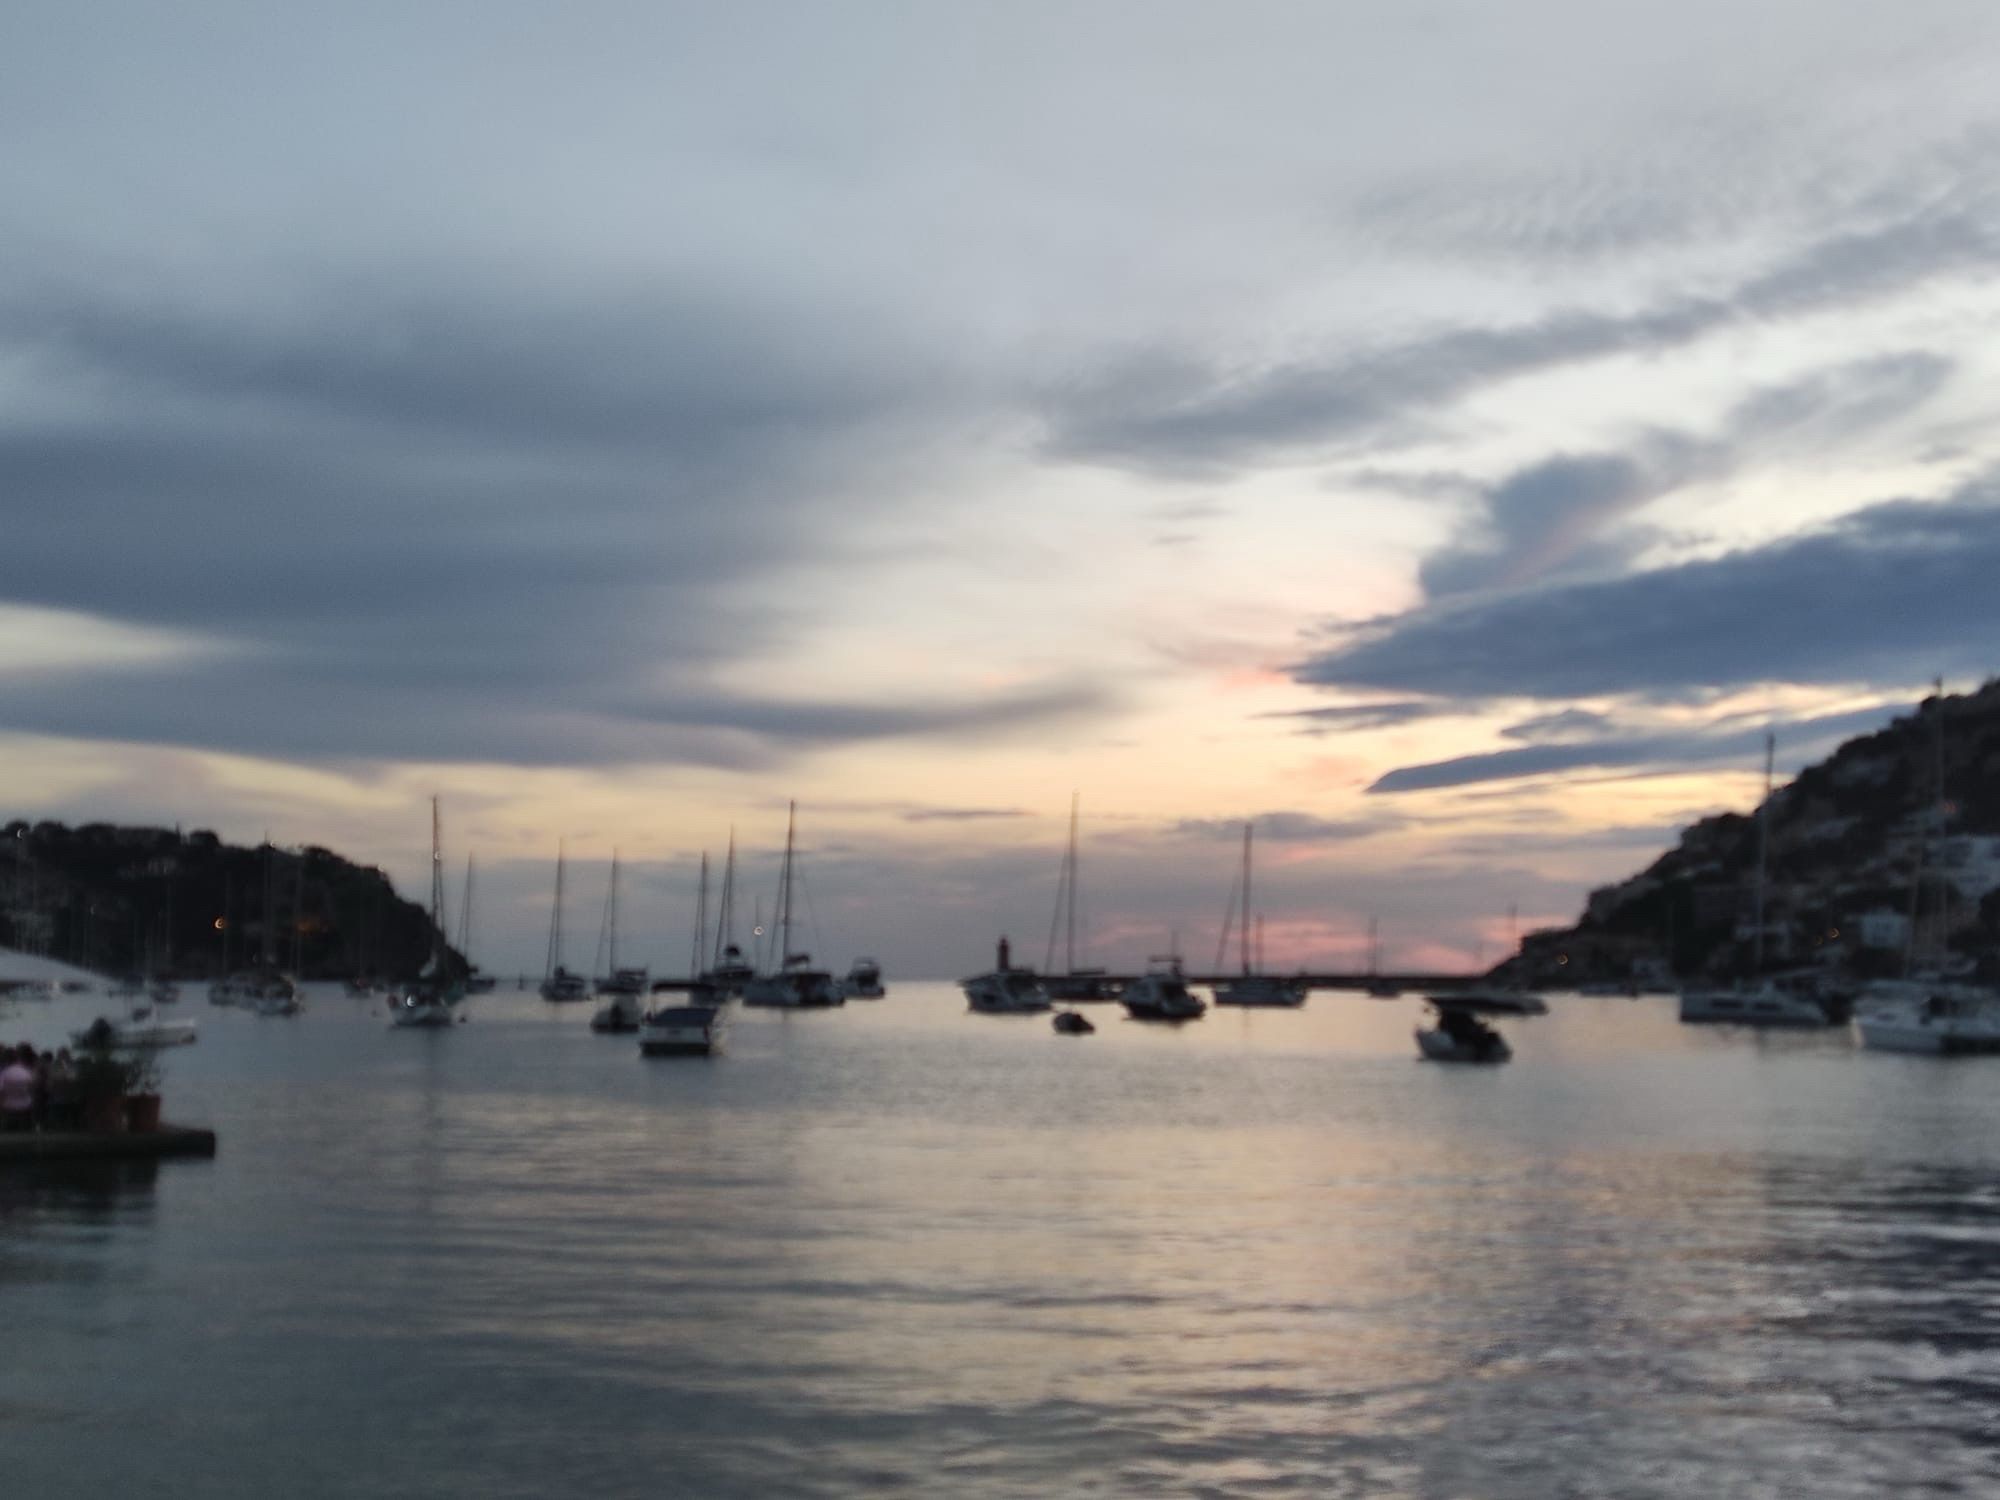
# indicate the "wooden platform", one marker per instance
pixel 76 1145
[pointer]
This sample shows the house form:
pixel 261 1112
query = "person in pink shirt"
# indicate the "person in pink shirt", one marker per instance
pixel 17 1091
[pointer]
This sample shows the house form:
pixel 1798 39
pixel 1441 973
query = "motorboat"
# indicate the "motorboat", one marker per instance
pixel 682 1030
pixel 1073 1023
pixel 1005 990
pixel 1082 986
pixel 621 1014
pixel 425 1008
pixel 624 982
pixel 140 1029
pixel 1460 1035
pixel 1947 1020
pixel 274 994
pixel 732 972
pixel 1766 1003
pixel 796 985
pixel 1498 1000
pixel 1162 994
pixel 561 986
pixel 864 980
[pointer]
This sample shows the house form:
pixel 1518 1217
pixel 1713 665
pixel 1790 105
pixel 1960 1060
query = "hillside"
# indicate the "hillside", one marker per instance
pixel 117 900
pixel 1845 838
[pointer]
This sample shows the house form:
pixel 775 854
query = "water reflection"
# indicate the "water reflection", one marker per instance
pixel 927 1254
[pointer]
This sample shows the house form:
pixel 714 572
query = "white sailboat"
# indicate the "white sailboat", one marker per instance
pixel 626 988
pixel 428 1004
pixel 558 984
pixel 476 983
pixel 794 984
pixel 1087 983
pixel 1252 987
pixel 728 969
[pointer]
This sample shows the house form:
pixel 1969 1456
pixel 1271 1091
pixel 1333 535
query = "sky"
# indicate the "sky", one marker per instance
pixel 1447 434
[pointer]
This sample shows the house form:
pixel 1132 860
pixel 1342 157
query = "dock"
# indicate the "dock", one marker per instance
pixel 78 1145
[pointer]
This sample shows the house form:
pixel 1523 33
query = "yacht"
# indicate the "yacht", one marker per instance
pixel 864 980
pixel 683 1031
pixel 558 984
pixel 1005 990
pixel 1766 1003
pixel 141 1028
pixel 561 985
pixel 622 1013
pixel 1161 994
pixel 423 1007
pixel 1076 983
pixel 1941 1019
pixel 1460 1036
pixel 1498 1000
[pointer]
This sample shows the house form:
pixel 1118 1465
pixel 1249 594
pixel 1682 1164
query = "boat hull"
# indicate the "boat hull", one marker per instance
pixel 1752 1008
pixel 1434 1045
pixel 1261 990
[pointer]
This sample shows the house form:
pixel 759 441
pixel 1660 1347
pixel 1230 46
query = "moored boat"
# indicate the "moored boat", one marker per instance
pixel 1460 1036
pixel 1942 1020
pixel 1005 990
pixel 1162 994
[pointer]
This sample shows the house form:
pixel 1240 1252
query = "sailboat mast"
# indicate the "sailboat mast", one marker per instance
pixel 554 960
pixel 611 912
pixel 785 890
pixel 298 918
pixel 465 913
pixel 1069 935
pixel 1763 850
pixel 700 921
pixel 437 885
pixel 725 915
pixel 1243 932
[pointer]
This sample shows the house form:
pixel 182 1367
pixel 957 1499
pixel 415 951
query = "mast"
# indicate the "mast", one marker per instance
pixel 1243 935
pixel 1936 817
pixel 700 921
pixel 785 890
pixel 725 913
pixel 437 888
pixel 1069 935
pixel 465 914
pixel 554 960
pixel 270 904
pixel 611 911
pixel 1374 949
pixel 1763 852
pixel 298 918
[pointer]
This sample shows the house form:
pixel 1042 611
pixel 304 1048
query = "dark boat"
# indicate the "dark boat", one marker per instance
pixel 1072 1023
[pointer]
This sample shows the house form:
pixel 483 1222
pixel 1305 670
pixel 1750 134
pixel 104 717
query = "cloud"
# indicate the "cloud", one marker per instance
pixel 963 814
pixel 1862 600
pixel 1564 724
pixel 1356 716
pixel 1672 749
pixel 1281 827
pixel 1176 414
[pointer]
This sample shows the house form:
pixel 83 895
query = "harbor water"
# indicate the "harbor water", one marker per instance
pixel 897 1249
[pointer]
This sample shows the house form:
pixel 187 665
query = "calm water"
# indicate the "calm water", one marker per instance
pixel 899 1249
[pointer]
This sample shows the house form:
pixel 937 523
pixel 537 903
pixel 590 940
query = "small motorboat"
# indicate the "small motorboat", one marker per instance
pixel 1161 994
pixel 1073 1023
pixel 681 1030
pixel 1005 990
pixel 863 981
pixel 139 1030
pixel 424 1009
pixel 622 1014
pixel 1460 1036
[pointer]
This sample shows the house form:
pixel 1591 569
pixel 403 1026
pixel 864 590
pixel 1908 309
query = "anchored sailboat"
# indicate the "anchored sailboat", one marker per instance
pixel 1251 987
pixel 428 1003
pixel 1073 983
pixel 794 984
pixel 558 984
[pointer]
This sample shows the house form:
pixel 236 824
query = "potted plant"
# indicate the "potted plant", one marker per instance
pixel 101 1079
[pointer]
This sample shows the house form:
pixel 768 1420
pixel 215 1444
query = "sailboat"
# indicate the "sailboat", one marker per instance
pixel 623 1011
pixel 1073 983
pixel 1378 987
pixel 1251 987
pixel 427 1005
pixel 694 1026
pixel 558 984
pixel 1764 1001
pixel 1924 1013
pixel 794 984
pixel 729 970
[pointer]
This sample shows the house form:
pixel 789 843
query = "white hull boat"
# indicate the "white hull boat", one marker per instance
pixel 1161 994
pixel 1758 1005
pixel 1940 1021
pixel 422 1012
pixel 794 988
pixel 143 1031
pixel 1006 992
pixel 623 1014
pixel 681 1031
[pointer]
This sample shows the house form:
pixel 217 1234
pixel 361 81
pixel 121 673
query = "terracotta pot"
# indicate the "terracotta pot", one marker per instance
pixel 104 1115
pixel 142 1113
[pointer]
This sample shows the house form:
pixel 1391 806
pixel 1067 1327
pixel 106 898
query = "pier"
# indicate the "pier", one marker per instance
pixel 78 1145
